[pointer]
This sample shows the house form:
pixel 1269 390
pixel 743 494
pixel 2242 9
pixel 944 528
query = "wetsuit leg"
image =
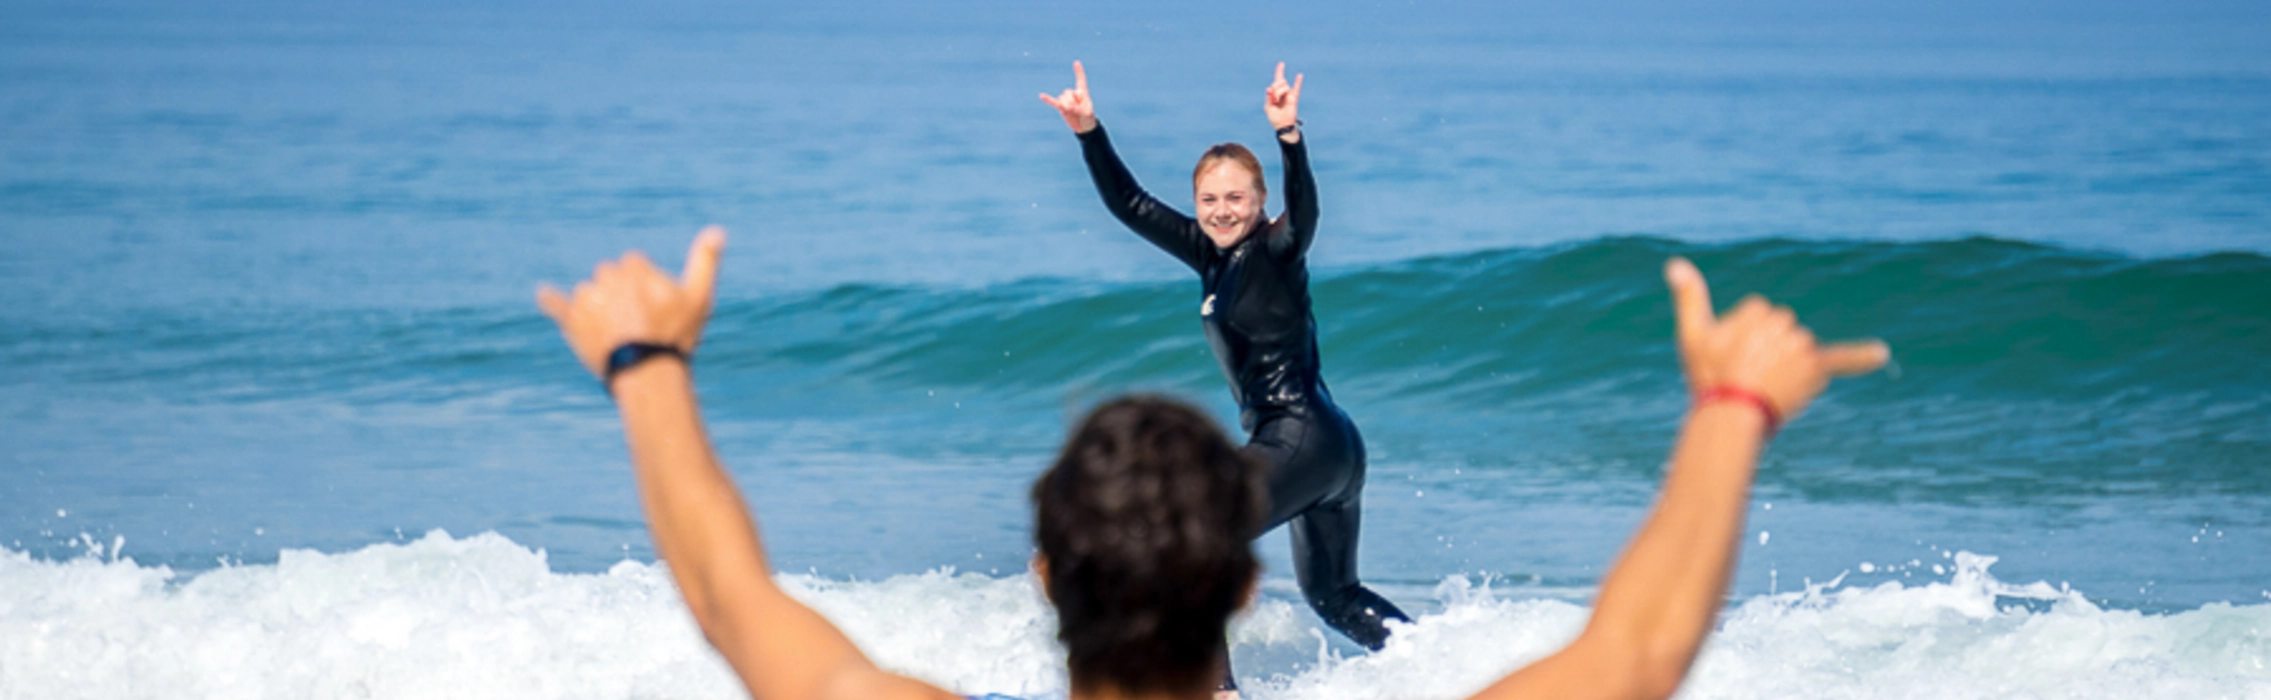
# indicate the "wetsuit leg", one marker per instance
pixel 1301 472
pixel 1275 444
pixel 1324 561
pixel 1316 486
pixel 1229 679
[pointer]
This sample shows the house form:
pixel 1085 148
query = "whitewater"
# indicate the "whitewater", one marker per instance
pixel 483 617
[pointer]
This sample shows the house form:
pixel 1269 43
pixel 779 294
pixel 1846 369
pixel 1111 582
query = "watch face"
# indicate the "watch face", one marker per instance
pixel 628 354
pixel 622 357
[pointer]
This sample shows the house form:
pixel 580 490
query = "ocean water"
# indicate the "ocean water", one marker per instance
pixel 282 421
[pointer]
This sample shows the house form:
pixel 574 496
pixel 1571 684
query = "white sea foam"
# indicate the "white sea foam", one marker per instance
pixel 483 617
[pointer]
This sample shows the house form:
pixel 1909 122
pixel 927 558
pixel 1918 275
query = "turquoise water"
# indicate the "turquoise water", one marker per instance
pixel 267 291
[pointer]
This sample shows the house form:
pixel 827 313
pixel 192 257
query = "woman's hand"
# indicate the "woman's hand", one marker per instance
pixel 1283 103
pixel 1758 347
pixel 631 301
pixel 1073 105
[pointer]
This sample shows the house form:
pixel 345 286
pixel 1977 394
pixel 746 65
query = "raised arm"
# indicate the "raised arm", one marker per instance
pixel 1749 370
pixel 635 327
pixel 1282 103
pixel 1150 218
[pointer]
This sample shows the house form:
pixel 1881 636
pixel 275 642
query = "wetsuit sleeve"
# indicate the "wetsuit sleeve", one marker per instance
pixel 1292 239
pixel 1169 229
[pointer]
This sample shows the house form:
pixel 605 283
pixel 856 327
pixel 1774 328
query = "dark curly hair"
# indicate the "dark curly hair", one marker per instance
pixel 1143 522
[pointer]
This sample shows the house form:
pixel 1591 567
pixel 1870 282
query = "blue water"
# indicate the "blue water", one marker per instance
pixel 267 275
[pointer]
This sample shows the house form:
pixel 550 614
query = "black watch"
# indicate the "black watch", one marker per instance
pixel 629 355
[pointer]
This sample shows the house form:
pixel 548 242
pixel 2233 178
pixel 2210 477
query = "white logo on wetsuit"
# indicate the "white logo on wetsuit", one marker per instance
pixel 1206 308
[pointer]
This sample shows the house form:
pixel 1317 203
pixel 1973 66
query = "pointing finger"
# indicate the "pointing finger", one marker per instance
pixel 1848 359
pixel 1297 85
pixel 1079 78
pixel 1691 298
pixel 1280 73
pixel 701 277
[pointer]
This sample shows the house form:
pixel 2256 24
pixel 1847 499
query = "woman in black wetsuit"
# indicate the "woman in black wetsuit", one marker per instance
pixel 1255 278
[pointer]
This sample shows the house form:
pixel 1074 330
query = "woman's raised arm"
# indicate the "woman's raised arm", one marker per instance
pixel 1150 218
pixel 1282 103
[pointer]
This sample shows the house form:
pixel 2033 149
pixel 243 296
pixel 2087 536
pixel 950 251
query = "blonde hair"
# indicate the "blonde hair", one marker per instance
pixel 1234 153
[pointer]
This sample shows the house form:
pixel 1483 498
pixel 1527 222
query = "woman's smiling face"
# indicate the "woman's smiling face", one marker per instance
pixel 1229 202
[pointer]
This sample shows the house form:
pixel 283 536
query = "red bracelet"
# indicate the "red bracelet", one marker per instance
pixel 1741 395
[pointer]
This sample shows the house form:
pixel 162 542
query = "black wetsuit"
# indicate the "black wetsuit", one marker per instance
pixel 1256 312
